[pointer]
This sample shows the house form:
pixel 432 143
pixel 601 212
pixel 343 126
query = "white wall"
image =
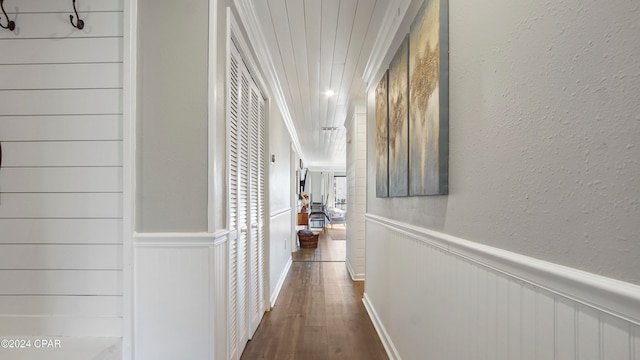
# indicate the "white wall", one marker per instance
pixel 356 191
pixel 544 137
pixel 543 134
pixel 181 267
pixel 283 215
pixel 172 116
pixel 180 250
pixel 280 180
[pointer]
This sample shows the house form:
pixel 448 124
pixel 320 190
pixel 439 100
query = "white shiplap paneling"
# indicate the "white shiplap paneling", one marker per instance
pixel 61 153
pixel 479 301
pixel 61 177
pixel 61 127
pixel 61 102
pixel 356 193
pixel 69 257
pixel 62 6
pixel 61 76
pixel 57 26
pixel 28 305
pixel 61 205
pixel 71 50
pixel 61 282
pixel 60 231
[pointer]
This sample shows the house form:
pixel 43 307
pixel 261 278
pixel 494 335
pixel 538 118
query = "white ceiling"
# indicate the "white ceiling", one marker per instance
pixel 310 47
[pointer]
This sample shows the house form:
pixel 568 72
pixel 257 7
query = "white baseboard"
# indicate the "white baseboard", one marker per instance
pixel 281 280
pixel 354 276
pixel 392 352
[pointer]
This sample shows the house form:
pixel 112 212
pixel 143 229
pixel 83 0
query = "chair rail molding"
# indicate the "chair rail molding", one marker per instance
pixel 499 304
pixel 180 239
pixel 617 298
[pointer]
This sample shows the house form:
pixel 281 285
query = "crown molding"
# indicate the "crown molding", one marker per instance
pixel 249 20
pixel 327 166
pixel 393 18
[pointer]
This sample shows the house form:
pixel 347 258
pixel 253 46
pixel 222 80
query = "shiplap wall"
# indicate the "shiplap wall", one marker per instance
pixel 61 176
pixel 433 296
pixel 356 192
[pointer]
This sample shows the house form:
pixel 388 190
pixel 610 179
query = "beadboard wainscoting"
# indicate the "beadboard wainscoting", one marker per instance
pixel 180 310
pixel 434 296
pixel 279 251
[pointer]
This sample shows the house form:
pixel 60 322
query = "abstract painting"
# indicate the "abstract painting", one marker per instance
pixel 429 100
pixel 398 122
pixel 382 137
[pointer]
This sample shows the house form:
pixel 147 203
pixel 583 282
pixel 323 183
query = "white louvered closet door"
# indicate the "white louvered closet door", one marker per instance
pixel 233 138
pixel 262 206
pixel 256 241
pixel 243 210
pixel 246 204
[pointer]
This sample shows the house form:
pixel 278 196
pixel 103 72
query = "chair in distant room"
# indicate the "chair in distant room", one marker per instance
pixel 317 216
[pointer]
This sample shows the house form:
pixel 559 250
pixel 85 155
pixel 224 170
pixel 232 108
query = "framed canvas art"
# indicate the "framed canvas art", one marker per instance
pixel 382 137
pixel 399 122
pixel 429 100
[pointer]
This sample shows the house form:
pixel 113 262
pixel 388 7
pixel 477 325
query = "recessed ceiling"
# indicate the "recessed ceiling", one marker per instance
pixel 315 46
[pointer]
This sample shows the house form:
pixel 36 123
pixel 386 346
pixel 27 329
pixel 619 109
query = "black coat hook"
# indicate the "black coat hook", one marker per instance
pixel 12 24
pixel 80 24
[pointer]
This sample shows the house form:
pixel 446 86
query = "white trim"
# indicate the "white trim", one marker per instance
pixel 280 283
pixel 614 297
pixel 389 347
pixel 326 166
pixel 354 276
pixel 388 29
pixel 235 33
pixel 212 107
pixel 251 23
pixel 280 212
pixel 129 101
pixel 180 239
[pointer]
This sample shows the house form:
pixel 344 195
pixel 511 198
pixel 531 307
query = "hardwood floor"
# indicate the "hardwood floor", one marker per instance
pixel 328 250
pixel 319 313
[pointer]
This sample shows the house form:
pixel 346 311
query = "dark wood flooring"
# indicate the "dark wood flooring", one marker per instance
pixel 319 313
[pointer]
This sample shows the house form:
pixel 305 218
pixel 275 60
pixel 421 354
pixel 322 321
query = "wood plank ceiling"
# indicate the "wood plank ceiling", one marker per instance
pixel 318 46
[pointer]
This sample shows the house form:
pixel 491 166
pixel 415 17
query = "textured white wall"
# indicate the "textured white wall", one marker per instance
pixel 280 171
pixel 172 119
pixel 544 134
pixel 280 187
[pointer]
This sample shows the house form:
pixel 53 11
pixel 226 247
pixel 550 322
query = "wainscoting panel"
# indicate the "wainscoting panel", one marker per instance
pixel 180 296
pixel 279 251
pixel 433 296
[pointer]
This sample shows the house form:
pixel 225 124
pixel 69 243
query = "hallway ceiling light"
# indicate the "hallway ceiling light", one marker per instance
pixel 329 93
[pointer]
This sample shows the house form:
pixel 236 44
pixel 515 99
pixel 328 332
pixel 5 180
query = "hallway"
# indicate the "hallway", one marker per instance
pixel 319 313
